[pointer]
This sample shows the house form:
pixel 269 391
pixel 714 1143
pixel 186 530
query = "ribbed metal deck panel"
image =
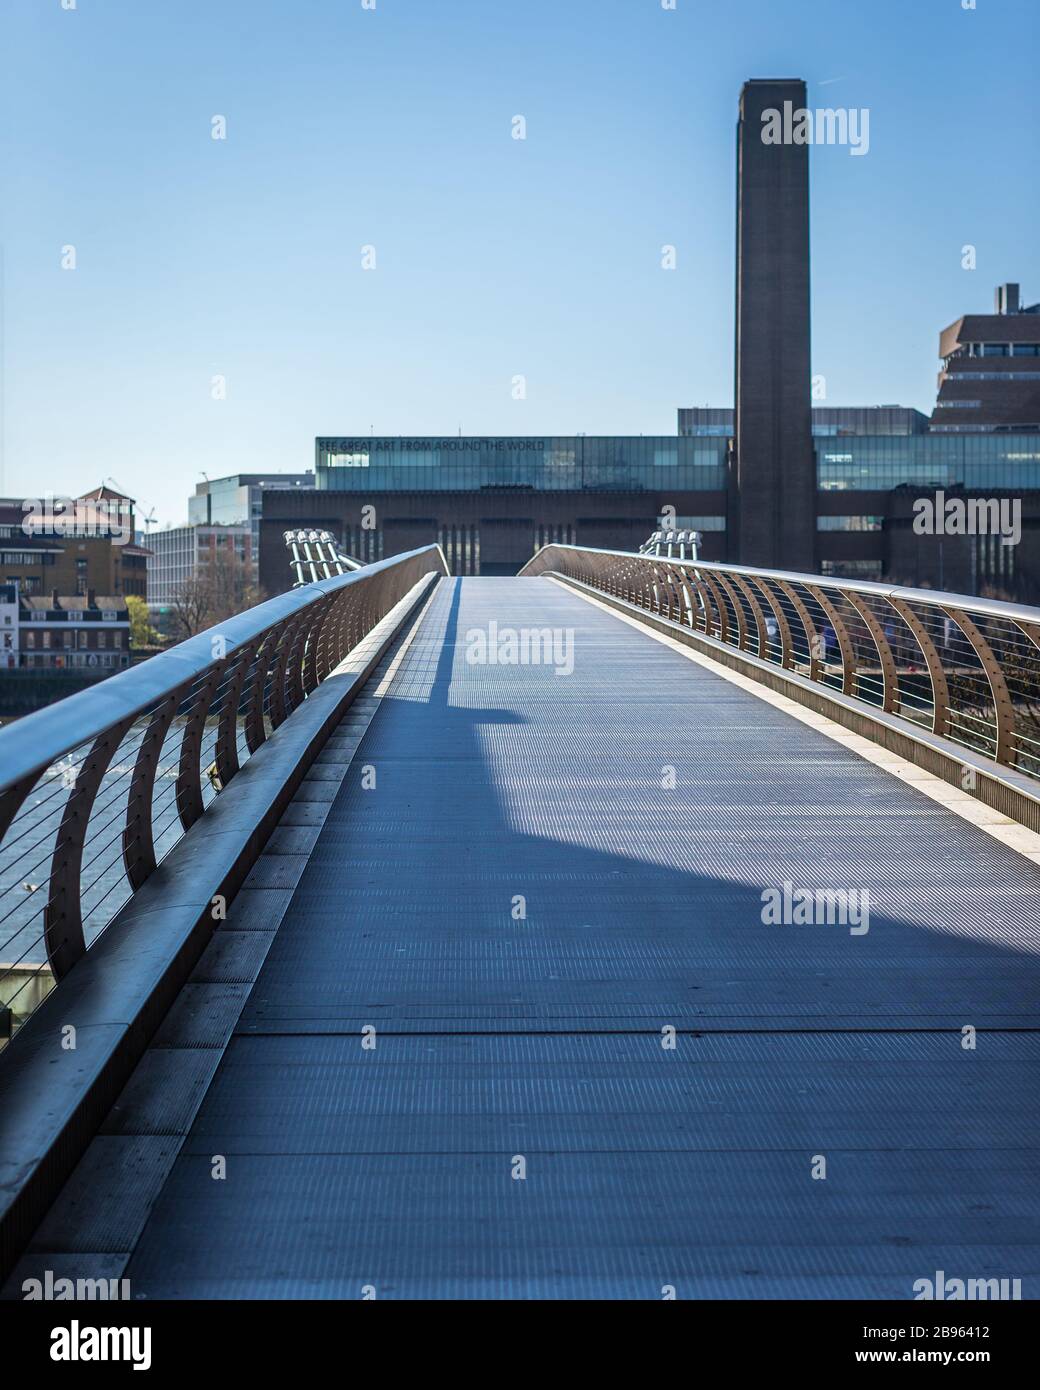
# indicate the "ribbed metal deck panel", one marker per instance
pixel 542 1037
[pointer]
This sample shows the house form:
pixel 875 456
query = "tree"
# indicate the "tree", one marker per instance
pixel 223 586
pixel 142 634
pixel 191 607
pixel 231 585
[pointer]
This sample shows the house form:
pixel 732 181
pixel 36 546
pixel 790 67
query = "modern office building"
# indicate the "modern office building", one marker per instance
pixel 710 422
pixel 491 502
pixel 239 498
pixel 181 552
pixel 990 378
pixel 867 488
pixel 223 517
pixel 771 481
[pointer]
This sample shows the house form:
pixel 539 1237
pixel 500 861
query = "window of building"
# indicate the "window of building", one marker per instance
pixel 994 376
pixel 961 428
pixel 415 458
pixel 849 523
pixel 468 464
pixel 692 523
pixel 995 349
pixel 26 557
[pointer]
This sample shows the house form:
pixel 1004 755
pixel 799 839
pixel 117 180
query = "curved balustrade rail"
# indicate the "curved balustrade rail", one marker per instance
pixel 965 668
pixel 96 789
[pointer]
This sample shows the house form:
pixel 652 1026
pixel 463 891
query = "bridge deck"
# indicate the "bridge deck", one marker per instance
pixel 541 1037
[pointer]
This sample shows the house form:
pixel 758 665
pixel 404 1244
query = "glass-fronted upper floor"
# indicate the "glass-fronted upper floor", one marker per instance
pixel 639 463
pixel 238 498
pixel 222 502
pixel 986 461
pixel 568 463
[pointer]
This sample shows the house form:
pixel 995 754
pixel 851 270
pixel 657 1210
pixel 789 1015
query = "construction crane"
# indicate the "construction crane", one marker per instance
pixel 316 555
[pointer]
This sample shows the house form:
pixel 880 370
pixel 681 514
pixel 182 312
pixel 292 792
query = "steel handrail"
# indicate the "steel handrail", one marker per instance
pixel 968 602
pixel 162 739
pixel 40 739
pixel 972 663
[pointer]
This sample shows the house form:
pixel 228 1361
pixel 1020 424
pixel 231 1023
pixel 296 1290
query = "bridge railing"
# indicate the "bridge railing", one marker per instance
pixel 96 789
pixel 965 668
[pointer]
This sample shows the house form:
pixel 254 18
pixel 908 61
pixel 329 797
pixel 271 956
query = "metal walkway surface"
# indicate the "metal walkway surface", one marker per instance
pixel 509 1044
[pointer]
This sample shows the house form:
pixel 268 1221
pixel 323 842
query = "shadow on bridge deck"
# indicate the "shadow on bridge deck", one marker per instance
pixel 540 1039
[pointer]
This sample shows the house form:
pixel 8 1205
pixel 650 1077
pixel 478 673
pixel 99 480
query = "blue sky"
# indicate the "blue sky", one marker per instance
pixel 495 257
